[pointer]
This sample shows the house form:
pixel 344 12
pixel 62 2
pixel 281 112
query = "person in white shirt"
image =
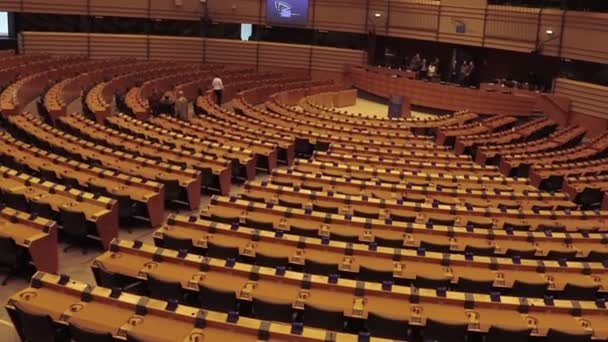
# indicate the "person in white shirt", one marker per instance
pixel 218 89
pixel 432 72
pixel 181 107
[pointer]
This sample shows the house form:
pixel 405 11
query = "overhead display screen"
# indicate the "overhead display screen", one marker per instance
pixel 287 12
pixel 3 24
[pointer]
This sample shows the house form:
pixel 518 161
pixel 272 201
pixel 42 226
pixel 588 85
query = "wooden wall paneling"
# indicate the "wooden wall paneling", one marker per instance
pixel 63 6
pixel 414 19
pixel 452 17
pixel 235 11
pixel 166 9
pixel 335 60
pixel 176 48
pixel 10 5
pixel 283 55
pixel 53 43
pixel 120 8
pixel 339 15
pixel 118 45
pixel 587 99
pixel 378 6
pixel 511 28
pixel 595 126
pixel 230 52
pixel 550 19
pixel 585 36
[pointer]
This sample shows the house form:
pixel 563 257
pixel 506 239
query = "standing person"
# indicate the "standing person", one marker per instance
pixel 154 102
pixel 415 63
pixel 168 103
pixel 432 72
pixel 423 69
pixel 218 89
pixel 464 67
pixel 454 71
pixel 181 107
pixel 467 76
pixel 199 95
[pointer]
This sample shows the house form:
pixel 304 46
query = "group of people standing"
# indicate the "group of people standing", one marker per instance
pixel 460 71
pixel 175 103
pixel 424 69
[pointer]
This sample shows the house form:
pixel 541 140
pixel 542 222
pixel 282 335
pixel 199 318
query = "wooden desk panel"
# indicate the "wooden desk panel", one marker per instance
pixel 340 294
pixel 37 235
pixel 453 98
pixel 95 308
pixel 190 180
pixel 101 211
pixel 431 265
pixel 148 193
pixel 457 237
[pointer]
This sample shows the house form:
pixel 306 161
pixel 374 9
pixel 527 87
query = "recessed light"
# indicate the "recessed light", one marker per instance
pixel 549 32
pixel 377 14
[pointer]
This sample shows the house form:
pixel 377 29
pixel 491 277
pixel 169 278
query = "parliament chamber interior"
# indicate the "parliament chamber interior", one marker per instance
pixel 303 170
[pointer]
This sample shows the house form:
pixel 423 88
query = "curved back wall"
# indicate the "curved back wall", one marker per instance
pixel 575 34
pixel 320 62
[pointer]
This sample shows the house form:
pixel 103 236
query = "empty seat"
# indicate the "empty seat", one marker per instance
pixel 441 221
pixel 435 247
pixel 172 242
pixel 42 209
pixel 524 254
pixel 75 227
pixel 217 299
pixel 105 278
pixel 80 334
pixel 13 258
pixel 366 214
pixel 272 310
pixel 221 252
pixel 577 292
pixel 385 327
pixel 325 209
pixel 290 204
pixel 35 327
pixel 16 201
pixel 473 286
pixel 438 331
pixel 310 187
pixel 344 238
pixel 386 242
pixel 556 255
pixel 554 335
pixel 172 190
pixel 481 251
pixel 315 267
pixel 323 318
pixel 431 283
pixel 523 289
pixel 270 261
pixel 597 256
pixel 370 274
pixel 403 218
pixel 224 219
pixel 252 198
pixel 164 290
pixel 259 224
pixel 498 334
pixel 295 230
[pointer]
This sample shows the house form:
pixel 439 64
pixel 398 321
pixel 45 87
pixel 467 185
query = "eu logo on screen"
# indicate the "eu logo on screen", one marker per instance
pixel 293 12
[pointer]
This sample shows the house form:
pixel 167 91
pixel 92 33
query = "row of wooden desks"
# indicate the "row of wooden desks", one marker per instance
pixel 146 193
pixel 423 193
pixel 36 234
pixel 187 179
pixel 126 316
pixel 216 172
pixel 355 299
pixel 100 211
pixel 402 266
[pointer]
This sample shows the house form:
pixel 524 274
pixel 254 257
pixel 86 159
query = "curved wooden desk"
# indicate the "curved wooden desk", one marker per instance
pixel 442 96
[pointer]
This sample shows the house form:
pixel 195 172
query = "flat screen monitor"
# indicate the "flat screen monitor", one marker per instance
pixel 3 24
pixel 287 12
